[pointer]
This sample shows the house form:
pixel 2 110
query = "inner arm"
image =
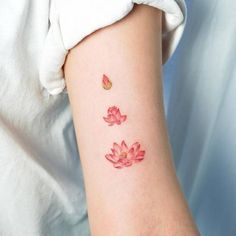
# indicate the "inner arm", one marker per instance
pixel 114 83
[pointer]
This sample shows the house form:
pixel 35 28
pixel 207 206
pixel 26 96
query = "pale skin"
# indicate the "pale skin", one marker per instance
pixel 144 198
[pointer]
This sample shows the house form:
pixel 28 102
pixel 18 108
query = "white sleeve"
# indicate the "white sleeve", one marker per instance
pixel 73 20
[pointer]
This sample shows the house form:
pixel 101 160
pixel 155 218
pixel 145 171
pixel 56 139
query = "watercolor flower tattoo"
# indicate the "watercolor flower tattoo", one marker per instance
pixel 114 116
pixel 106 83
pixel 124 156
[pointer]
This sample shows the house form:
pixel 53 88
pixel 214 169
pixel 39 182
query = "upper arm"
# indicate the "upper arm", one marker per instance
pixel 142 195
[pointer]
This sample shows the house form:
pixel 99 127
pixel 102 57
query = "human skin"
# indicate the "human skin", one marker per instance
pixel 144 198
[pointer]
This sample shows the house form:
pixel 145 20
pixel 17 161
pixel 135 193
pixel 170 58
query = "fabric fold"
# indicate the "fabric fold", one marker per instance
pixel 73 20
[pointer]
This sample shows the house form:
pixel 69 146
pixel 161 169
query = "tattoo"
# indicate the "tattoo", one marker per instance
pixel 106 83
pixel 123 156
pixel 114 116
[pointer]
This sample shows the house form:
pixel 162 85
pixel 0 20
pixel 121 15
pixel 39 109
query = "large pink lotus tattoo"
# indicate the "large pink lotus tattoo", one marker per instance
pixel 114 116
pixel 124 156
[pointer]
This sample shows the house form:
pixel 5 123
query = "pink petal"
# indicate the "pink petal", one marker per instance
pixel 128 163
pixel 109 110
pixel 141 153
pixel 123 160
pixel 113 118
pixel 114 152
pixel 113 110
pixel 130 154
pixel 118 165
pixel 106 119
pixel 123 118
pixel 124 146
pixel 109 119
pixel 111 158
pixel 137 160
pixel 118 122
pixel 105 79
pixel 117 147
pixel 118 115
pixel 136 146
pixel 117 111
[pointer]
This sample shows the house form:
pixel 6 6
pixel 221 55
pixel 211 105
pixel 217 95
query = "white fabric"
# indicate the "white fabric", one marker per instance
pixel 72 20
pixel 41 183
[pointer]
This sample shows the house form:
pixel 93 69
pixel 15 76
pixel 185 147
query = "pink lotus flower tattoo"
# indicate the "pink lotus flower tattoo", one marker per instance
pixel 114 116
pixel 123 156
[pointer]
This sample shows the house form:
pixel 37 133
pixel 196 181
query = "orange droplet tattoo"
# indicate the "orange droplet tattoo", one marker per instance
pixel 106 82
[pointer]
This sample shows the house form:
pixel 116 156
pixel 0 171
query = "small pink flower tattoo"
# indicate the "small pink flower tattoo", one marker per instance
pixel 106 83
pixel 114 116
pixel 123 156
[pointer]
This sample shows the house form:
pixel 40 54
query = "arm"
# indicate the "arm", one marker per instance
pixel 131 190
